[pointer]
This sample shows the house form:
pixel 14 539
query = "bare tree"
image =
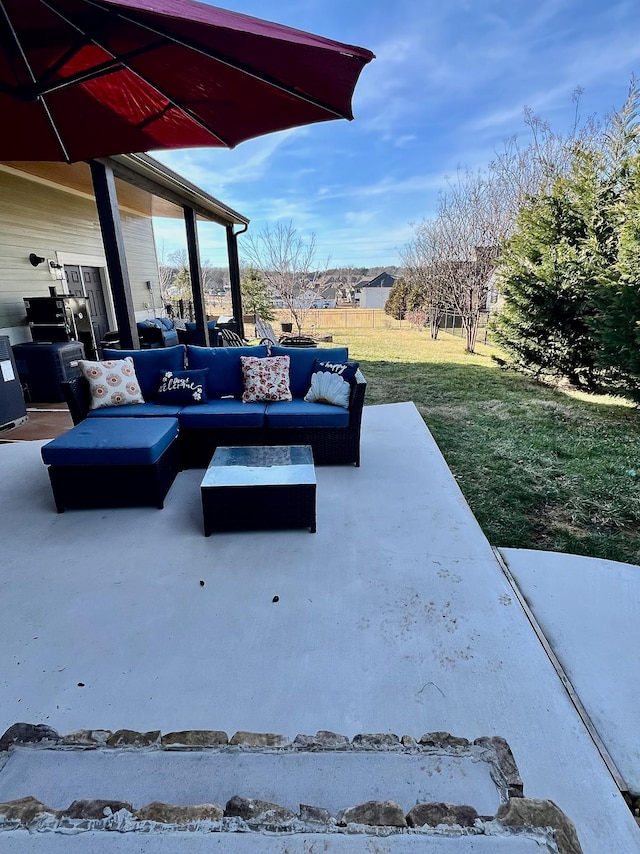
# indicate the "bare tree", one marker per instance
pixel 520 172
pixel 287 263
pixel 166 271
pixel 449 262
pixel 451 259
pixel 469 240
pixel 422 257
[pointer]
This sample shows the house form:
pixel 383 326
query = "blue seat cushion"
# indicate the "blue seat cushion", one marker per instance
pixel 137 410
pixel 150 323
pixel 227 412
pixel 150 363
pixel 190 328
pixel 299 413
pixel 225 369
pixel 112 442
pixel 302 359
pixel 170 337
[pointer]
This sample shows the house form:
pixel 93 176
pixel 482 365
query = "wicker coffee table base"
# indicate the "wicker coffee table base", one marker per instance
pixel 264 497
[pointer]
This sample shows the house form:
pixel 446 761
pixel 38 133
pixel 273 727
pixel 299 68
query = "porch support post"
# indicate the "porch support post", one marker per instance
pixel 234 277
pixel 104 188
pixel 195 272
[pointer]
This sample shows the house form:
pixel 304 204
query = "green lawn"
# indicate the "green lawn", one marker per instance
pixel 541 468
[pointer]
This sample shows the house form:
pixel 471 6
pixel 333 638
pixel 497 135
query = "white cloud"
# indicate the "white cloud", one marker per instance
pixel 386 186
pixel 223 167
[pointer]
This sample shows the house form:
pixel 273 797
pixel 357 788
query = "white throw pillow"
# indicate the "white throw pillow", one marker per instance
pixel 328 388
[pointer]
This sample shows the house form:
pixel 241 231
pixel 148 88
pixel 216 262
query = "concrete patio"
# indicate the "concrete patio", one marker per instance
pixel 396 617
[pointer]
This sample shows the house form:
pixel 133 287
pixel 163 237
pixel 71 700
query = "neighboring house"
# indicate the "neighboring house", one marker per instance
pixel 374 294
pixel 306 299
pixel 50 210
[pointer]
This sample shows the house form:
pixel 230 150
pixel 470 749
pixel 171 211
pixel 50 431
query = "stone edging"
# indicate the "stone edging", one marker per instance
pixel 516 815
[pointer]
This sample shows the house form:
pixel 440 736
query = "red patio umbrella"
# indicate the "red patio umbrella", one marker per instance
pixel 81 79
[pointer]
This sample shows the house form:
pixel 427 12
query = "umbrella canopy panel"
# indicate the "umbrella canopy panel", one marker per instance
pixel 81 79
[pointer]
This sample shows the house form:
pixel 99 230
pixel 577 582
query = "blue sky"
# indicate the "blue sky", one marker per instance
pixel 448 87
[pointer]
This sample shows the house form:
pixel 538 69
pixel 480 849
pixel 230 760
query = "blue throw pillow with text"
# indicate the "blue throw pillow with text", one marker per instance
pixel 183 388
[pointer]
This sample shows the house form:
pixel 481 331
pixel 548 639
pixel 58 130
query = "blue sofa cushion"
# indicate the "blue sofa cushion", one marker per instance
pixel 149 364
pixel 144 410
pixel 302 359
pixel 299 413
pixel 163 323
pixel 170 337
pixel 166 335
pixel 112 441
pixel 227 412
pixel 225 370
pixel 190 325
pixel 183 387
pixel 190 328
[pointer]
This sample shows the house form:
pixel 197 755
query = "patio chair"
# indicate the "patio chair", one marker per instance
pixel 265 332
pixel 232 339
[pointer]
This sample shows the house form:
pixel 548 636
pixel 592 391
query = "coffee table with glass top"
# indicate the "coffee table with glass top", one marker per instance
pixel 259 487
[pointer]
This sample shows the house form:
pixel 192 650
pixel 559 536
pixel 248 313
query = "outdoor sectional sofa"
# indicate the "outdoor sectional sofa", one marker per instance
pixel 332 431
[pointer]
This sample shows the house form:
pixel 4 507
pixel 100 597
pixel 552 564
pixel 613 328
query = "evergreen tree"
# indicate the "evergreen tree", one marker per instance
pixel 617 326
pixel 544 327
pixel 571 271
pixel 255 294
pixel 397 303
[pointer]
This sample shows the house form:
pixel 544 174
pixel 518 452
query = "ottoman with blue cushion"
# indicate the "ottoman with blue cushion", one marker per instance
pixel 113 462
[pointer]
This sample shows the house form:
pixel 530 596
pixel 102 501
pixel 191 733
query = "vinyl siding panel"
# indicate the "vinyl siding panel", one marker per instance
pixel 40 219
pixel 140 250
pixel 374 297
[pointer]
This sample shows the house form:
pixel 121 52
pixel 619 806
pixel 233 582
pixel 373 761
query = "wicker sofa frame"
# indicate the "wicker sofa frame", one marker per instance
pixel 331 445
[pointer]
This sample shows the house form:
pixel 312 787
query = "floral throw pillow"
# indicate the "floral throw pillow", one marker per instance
pixel 183 388
pixel 265 379
pixel 112 382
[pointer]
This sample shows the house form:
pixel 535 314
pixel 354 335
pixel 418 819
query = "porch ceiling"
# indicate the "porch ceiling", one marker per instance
pixel 144 186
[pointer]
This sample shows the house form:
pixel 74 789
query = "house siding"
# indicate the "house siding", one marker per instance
pixel 375 293
pixel 142 262
pixel 374 297
pixel 45 220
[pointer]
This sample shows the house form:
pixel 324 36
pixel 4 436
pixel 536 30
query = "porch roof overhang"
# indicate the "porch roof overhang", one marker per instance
pixel 144 185
pixel 148 174
pixel 139 184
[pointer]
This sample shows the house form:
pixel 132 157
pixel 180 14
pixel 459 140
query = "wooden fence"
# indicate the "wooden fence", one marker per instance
pixel 343 318
pixel 318 320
